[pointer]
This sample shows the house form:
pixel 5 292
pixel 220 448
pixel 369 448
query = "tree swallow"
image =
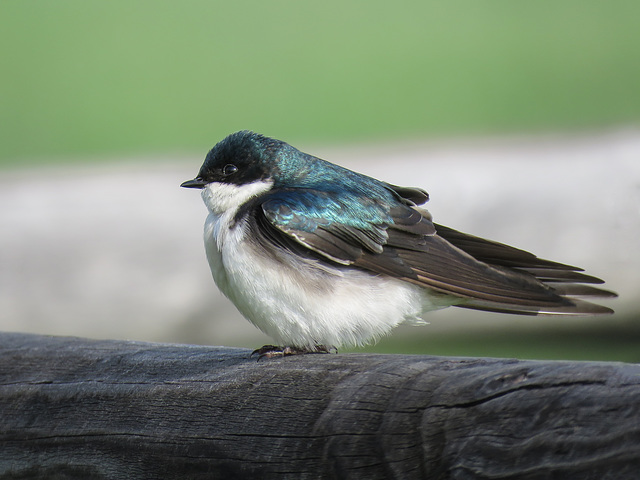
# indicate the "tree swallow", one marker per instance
pixel 318 256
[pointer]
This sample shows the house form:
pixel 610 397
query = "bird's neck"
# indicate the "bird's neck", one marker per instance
pixel 223 198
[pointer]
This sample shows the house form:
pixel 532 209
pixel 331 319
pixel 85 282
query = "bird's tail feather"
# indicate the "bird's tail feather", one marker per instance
pixel 566 281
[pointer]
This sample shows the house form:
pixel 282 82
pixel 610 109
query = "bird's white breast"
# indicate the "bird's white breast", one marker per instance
pixel 299 302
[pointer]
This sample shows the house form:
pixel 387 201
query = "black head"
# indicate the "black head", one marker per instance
pixel 241 158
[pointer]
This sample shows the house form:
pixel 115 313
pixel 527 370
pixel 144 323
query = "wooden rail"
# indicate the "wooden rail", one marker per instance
pixel 82 409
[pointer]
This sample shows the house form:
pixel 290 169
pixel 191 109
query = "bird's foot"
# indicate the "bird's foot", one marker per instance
pixel 271 351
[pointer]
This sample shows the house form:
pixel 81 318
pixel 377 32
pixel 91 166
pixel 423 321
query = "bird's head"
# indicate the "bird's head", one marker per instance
pixel 241 158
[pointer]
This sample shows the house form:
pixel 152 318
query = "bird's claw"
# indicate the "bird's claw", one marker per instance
pixel 270 351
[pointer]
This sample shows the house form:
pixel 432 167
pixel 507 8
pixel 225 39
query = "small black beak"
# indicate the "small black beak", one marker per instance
pixel 195 183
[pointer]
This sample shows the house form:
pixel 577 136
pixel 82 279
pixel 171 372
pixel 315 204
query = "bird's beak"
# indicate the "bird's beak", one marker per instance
pixel 195 183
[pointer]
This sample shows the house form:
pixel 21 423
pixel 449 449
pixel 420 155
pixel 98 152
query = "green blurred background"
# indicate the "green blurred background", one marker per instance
pixel 121 77
pixel 86 81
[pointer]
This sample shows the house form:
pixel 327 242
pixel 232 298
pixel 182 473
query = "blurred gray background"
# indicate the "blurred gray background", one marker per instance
pixel 521 121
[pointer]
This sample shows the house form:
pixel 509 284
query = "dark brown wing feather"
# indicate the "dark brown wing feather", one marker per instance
pixel 496 253
pixel 489 275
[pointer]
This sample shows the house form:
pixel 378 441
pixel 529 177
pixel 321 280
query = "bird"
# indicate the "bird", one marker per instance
pixel 320 257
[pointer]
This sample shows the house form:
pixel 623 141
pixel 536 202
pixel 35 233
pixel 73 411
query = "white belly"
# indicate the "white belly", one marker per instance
pixel 303 305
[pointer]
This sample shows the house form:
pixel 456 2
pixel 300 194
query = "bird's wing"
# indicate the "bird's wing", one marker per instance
pixel 327 223
pixel 398 239
pixel 510 280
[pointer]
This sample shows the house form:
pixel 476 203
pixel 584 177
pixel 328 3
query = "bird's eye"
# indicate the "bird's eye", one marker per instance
pixel 229 169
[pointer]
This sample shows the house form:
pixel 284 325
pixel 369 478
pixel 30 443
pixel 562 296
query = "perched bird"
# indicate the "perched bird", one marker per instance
pixel 318 256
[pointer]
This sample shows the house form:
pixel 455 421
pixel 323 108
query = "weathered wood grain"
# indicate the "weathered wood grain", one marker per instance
pixel 74 408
